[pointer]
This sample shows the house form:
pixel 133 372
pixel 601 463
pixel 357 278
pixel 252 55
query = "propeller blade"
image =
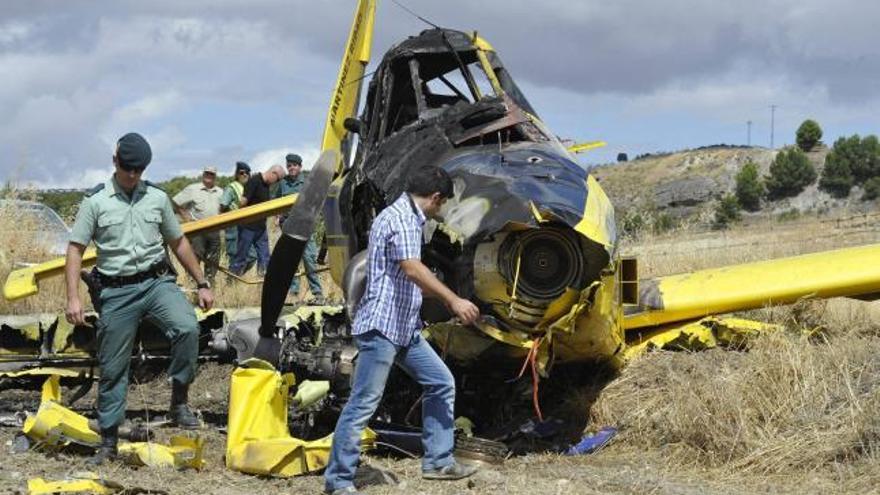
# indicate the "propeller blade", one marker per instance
pixel 295 233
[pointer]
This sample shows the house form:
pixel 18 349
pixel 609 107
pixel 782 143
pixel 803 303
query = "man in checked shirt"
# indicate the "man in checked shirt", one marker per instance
pixel 387 331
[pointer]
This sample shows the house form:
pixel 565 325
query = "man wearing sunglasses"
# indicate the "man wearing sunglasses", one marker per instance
pixel 131 221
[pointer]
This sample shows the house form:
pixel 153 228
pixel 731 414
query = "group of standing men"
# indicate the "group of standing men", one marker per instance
pixel 246 244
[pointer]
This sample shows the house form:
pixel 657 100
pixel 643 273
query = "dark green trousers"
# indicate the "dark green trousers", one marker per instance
pixel 122 309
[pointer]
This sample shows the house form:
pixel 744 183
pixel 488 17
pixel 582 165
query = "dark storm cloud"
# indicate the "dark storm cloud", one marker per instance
pixel 77 71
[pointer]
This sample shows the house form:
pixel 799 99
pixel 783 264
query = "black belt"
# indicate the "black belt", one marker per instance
pixel 155 271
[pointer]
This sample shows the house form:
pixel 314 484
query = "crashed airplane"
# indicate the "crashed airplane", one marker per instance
pixel 529 237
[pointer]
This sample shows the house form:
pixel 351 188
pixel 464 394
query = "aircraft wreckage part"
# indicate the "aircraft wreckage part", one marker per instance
pixel 183 452
pixel 699 335
pixel 36 345
pixel 84 482
pixel 56 426
pixel 346 93
pixel 843 272
pixel 24 282
pixel 288 251
pixel 258 440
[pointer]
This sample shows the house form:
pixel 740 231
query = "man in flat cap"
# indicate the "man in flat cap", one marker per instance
pixel 256 190
pixel 293 184
pixel 131 221
pixel 231 200
pixel 195 202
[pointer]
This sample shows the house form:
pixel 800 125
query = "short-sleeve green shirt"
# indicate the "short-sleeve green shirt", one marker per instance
pixel 129 232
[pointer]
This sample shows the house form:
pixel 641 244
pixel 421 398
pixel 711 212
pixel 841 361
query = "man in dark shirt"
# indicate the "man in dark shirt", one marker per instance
pixel 256 191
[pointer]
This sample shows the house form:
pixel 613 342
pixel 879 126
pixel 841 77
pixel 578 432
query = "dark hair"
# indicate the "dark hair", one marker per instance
pixel 430 179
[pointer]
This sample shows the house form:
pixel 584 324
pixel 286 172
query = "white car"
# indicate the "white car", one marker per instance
pixel 35 223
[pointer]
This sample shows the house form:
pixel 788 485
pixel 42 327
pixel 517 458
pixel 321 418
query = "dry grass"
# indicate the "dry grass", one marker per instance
pixel 796 413
pixel 15 253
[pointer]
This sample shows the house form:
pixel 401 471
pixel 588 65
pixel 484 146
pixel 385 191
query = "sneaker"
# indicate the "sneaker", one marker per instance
pixel 348 490
pixel 454 471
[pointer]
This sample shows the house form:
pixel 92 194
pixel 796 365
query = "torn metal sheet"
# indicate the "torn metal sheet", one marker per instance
pixel 183 452
pixel 56 426
pixel 702 334
pixel 258 440
pixel 84 482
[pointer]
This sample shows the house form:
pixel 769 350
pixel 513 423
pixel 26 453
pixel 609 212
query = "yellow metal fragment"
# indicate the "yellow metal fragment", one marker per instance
pixel 184 452
pixel 57 426
pixel 85 482
pixel 310 391
pixel 258 441
pixel 65 372
pixel 702 334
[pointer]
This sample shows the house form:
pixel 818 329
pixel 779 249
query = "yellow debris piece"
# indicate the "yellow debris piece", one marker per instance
pixel 184 452
pixel 82 482
pixel 78 483
pixel 56 425
pixel 69 373
pixel 258 441
pixel 705 333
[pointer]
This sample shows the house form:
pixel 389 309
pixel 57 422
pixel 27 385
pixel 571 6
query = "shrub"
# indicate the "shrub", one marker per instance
pixel 788 215
pixel 837 177
pixel 663 222
pixel 853 156
pixel 727 211
pixel 808 135
pixel 790 173
pixel 872 189
pixel 749 187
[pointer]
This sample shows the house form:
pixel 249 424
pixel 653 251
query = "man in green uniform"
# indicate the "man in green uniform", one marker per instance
pixel 195 202
pixel 293 184
pixel 130 221
pixel 230 200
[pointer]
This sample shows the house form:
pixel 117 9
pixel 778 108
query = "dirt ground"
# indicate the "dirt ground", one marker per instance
pixel 619 468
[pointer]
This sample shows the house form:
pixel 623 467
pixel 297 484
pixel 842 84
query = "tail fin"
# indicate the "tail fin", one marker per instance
pixel 346 93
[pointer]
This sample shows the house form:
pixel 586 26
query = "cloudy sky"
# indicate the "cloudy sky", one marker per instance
pixel 215 81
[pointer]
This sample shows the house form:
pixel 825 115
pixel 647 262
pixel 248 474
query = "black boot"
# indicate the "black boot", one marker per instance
pixel 107 451
pixel 180 414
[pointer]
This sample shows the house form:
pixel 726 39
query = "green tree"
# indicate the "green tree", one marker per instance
pixel 837 177
pixel 808 135
pixel 869 166
pixel 727 211
pixel 872 189
pixel 749 187
pixel 790 173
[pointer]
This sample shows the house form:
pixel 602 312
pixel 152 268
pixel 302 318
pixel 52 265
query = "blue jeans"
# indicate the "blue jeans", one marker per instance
pixel 376 354
pixel 309 261
pixel 259 239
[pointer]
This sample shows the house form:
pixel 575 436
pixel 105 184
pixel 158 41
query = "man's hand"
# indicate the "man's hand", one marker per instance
pixel 465 310
pixel 74 311
pixel 206 299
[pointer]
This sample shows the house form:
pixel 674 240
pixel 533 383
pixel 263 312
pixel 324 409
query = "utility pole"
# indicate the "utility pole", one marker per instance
pixel 749 133
pixel 772 123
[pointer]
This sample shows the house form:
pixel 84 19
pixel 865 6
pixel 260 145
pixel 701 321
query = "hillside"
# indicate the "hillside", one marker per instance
pixel 684 185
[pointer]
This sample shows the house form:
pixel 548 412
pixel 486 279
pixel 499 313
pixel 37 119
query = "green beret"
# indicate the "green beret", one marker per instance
pixel 133 151
pixel 294 158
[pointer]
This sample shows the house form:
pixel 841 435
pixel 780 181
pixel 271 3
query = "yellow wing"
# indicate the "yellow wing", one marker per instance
pixel 676 298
